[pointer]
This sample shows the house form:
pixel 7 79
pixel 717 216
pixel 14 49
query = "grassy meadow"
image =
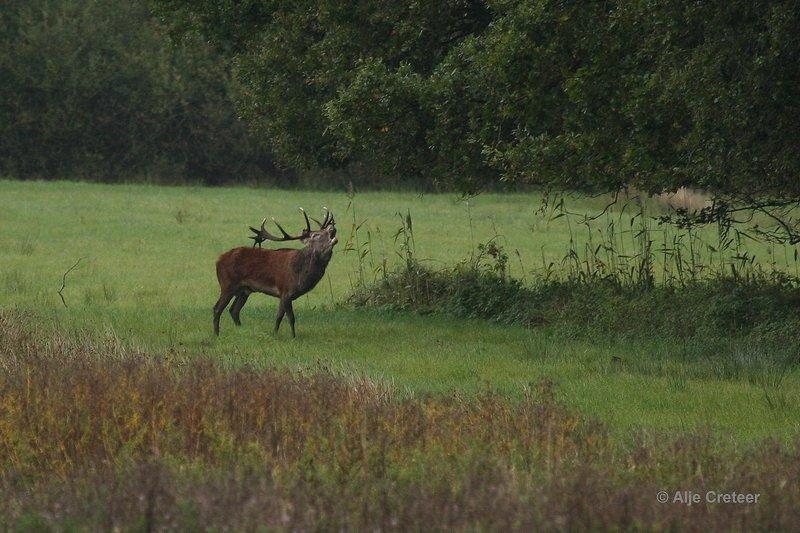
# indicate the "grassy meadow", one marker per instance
pixel 146 281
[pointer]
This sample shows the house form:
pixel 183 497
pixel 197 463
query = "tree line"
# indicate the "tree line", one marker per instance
pixel 466 94
pixel 580 94
pixel 94 90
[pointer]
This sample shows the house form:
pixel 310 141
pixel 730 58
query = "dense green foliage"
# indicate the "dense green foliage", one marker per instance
pixel 93 90
pixel 579 94
pixel 462 93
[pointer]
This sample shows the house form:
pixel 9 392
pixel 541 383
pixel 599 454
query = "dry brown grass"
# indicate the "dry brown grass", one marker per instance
pixel 692 200
pixel 95 436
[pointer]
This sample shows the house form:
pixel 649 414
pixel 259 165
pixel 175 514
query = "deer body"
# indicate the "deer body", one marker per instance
pixel 284 273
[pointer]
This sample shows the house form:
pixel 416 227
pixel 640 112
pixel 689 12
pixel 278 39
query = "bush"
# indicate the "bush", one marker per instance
pixel 760 309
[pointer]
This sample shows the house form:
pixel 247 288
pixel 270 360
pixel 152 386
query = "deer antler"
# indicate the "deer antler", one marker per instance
pixel 258 237
pixel 308 224
pixel 327 221
pixel 262 234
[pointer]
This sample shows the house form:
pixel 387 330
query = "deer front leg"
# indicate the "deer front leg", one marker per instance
pixel 281 312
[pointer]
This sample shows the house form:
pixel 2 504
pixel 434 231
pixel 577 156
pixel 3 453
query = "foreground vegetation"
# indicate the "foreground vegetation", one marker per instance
pixel 98 436
pixel 146 282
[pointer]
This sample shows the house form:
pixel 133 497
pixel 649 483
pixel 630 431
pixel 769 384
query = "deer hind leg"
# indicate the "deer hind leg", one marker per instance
pixel 290 315
pixel 219 307
pixel 238 303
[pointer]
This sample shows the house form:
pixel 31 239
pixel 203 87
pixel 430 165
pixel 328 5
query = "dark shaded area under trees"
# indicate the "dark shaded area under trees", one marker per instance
pixel 94 90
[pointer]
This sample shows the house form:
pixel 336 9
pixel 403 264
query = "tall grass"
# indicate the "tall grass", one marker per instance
pixel 96 436
pixel 636 241
pixel 632 241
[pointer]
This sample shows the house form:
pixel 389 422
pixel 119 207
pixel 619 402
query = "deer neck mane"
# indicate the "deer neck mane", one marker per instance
pixel 309 267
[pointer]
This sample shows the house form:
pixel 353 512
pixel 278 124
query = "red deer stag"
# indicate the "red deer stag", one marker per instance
pixel 285 273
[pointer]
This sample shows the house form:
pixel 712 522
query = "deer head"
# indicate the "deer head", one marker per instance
pixel 322 241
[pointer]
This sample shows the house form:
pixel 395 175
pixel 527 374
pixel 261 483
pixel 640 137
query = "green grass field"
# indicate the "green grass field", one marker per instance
pixel 146 279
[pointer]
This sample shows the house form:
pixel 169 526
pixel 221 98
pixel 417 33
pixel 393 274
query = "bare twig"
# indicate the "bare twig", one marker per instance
pixel 586 218
pixel 792 236
pixel 64 281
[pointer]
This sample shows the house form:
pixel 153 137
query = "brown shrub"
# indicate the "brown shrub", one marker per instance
pixel 687 198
